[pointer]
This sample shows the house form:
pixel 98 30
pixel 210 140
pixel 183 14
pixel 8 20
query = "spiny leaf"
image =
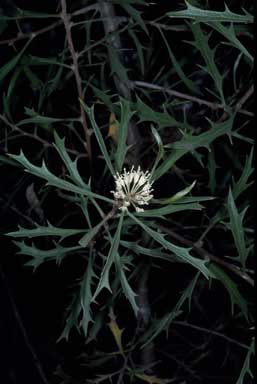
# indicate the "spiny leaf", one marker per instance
pixel 35 81
pixel 24 14
pixel 139 48
pixel 116 65
pixel 35 60
pixel 70 165
pixel 39 119
pixel 242 184
pixel 88 237
pixel 212 166
pixel 160 153
pixel 246 369
pixel 104 279
pixel 99 137
pixel 178 68
pixel 6 68
pixel 180 252
pixel 86 296
pixel 202 43
pixel 146 113
pixel 186 200
pixel 236 226
pixel 121 150
pixel 136 15
pixel 50 230
pixel 168 209
pixel 199 14
pixel 152 252
pixel 81 301
pixel 127 290
pixel 191 143
pixel 230 34
pixel 40 256
pixel 53 180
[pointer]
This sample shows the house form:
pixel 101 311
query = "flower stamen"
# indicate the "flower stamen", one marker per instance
pixel 133 187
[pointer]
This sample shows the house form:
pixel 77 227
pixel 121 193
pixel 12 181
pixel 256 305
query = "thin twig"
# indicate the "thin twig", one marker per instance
pixel 75 68
pixel 23 330
pixel 239 105
pixel 207 255
pixel 45 143
pixel 183 323
pixel 214 106
pixel 244 98
pixel 22 36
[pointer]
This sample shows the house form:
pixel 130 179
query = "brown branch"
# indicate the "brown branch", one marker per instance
pixel 207 255
pixel 244 98
pixel 239 104
pixel 75 68
pixel 214 106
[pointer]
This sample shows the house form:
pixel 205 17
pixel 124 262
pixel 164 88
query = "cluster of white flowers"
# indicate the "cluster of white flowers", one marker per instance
pixel 133 187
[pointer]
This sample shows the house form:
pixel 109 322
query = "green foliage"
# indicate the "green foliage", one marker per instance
pixel 199 14
pixel 178 84
pixel 201 42
pixel 237 228
pixel 235 295
pixel 246 366
pixel 180 252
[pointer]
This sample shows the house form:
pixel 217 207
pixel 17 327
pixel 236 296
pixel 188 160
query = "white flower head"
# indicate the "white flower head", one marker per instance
pixel 133 188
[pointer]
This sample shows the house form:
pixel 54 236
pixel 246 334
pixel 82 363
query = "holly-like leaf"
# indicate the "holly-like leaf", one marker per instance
pixel 50 230
pixel 182 253
pixel 237 228
pixel 44 173
pixel 191 143
pixel 205 15
pixel 146 113
pixel 104 278
pixel 81 303
pixel 121 150
pixel 70 165
pixel 99 136
pixel 40 256
pixel 201 42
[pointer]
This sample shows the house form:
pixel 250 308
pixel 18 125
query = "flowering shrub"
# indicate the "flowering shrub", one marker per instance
pixel 127 136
